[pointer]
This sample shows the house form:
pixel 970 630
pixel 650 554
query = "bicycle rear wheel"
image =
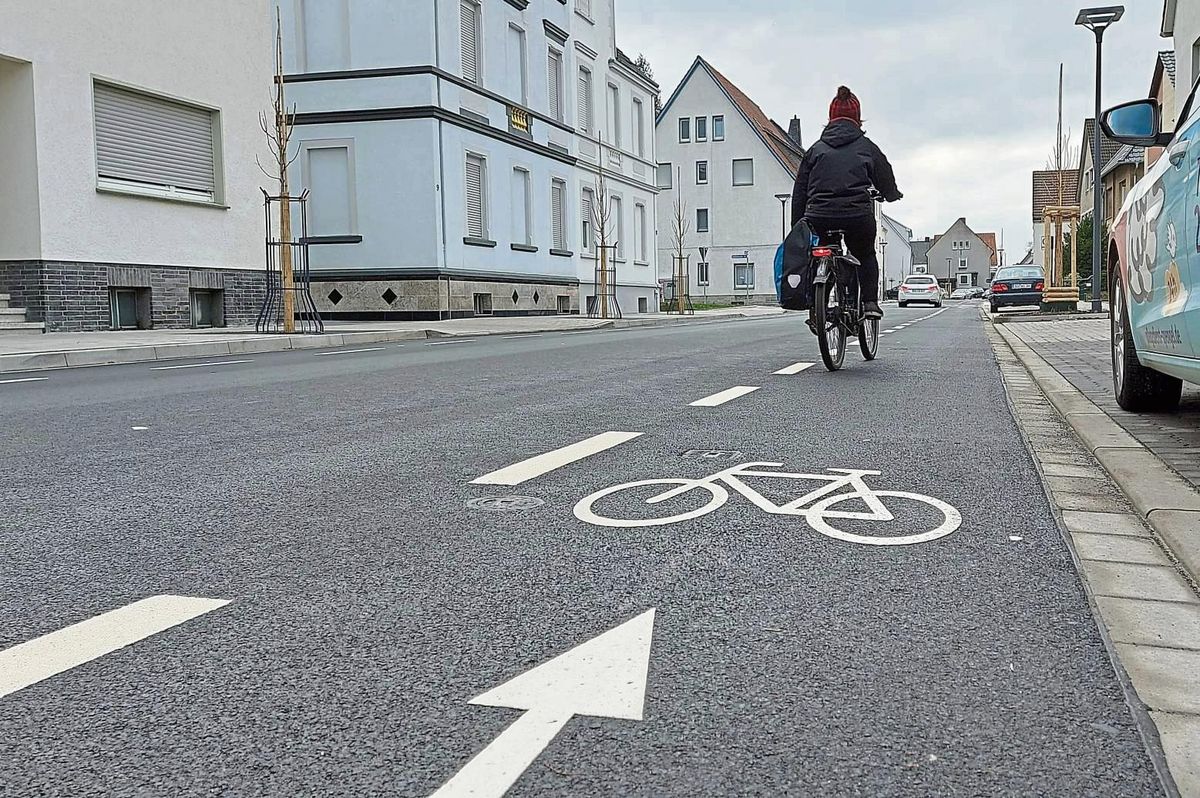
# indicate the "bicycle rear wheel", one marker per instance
pixel 831 336
pixel 868 338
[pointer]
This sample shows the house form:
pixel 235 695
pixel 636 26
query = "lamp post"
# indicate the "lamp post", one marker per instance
pixel 1098 20
pixel 783 201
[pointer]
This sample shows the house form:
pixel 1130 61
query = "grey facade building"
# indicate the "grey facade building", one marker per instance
pixel 961 257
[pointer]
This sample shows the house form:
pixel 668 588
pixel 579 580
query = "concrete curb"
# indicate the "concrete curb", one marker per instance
pixel 42 361
pixel 1168 503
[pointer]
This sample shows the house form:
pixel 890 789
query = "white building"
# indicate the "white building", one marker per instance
pixel 1181 22
pixel 449 148
pixel 723 162
pixel 895 253
pixel 130 194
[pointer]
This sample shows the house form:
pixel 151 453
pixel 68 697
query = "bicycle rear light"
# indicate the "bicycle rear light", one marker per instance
pixel 822 252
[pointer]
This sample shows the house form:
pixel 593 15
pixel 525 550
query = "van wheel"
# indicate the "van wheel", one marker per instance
pixel 903 304
pixel 1138 389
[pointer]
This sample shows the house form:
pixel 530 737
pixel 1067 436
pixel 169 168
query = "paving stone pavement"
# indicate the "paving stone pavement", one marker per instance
pixel 1078 349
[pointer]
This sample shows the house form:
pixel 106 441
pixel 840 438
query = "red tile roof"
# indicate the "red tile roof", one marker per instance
pixel 990 240
pixel 773 135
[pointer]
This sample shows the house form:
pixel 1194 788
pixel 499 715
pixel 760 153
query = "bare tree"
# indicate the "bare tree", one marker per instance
pixel 681 226
pixel 278 130
pixel 602 217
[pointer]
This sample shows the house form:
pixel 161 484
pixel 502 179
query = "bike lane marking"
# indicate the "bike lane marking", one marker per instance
pixel 517 473
pixel 34 661
pixel 718 399
pixel 795 368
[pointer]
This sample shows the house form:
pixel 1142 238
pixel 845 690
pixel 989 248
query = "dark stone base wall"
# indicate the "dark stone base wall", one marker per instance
pixel 74 297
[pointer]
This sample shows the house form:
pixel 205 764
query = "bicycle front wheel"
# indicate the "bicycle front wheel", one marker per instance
pixel 951 519
pixel 831 336
pixel 868 338
pixel 584 509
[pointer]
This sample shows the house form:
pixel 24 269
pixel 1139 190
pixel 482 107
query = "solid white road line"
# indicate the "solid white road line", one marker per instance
pixel 52 654
pixel 718 399
pixel 795 368
pixel 351 351
pixel 545 463
pixel 23 379
pixel 200 365
pixel 519 337
pixel 448 343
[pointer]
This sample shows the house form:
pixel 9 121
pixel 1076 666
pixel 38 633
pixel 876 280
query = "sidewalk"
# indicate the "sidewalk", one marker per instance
pixel 65 350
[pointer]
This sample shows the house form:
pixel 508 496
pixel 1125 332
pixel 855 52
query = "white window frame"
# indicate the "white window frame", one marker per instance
pixel 702 166
pixel 702 278
pixel 685 130
pixel 614 100
pixel 707 220
pixel 523 77
pixel 639 233
pixel 586 100
pixel 483 195
pixel 701 124
pixel 564 243
pixel 587 242
pixel 721 137
pixel 527 190
pixel 964 281
pixel 555 65
pixel 748 267
pixel 351 182
pixel 962 262
pixel 617 212
pixel 639 123
pixel 736 161
pixel 670 183
pixel 478 36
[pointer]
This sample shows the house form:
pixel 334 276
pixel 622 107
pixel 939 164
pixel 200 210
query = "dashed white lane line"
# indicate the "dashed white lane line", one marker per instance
pixel 54 653
pixel 526 470
pixel 23 379
pixel 351 351
pixel 200 365
pixel 795 368
pixel 851 341
pixel 718 399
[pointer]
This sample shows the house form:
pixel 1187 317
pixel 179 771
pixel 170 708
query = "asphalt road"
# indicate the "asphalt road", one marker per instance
pixel 324 495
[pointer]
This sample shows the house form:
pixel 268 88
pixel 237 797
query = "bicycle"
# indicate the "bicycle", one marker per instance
pixel 837 305
pixel 815 507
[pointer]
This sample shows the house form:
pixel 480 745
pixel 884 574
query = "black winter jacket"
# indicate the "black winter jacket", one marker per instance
pixel 837 174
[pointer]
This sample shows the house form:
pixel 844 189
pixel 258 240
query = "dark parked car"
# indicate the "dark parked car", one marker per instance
pixel 1017 285
pixel 892 293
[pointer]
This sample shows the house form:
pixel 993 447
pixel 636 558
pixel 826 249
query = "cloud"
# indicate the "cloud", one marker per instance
pixel 962 96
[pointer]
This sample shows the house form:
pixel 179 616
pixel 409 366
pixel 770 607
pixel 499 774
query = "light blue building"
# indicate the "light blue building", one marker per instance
pixel 449 147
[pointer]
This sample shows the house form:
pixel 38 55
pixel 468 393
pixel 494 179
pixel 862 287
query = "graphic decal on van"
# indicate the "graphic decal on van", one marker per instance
pixel 1143 242
pixel 1177 294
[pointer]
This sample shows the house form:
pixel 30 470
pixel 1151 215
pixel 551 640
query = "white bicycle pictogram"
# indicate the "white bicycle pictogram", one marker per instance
pixel 816 507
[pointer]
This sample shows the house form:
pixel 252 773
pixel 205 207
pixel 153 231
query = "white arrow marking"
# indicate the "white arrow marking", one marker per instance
pixel 604 677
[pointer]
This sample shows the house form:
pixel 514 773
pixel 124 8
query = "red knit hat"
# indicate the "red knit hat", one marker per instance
pixel 845 106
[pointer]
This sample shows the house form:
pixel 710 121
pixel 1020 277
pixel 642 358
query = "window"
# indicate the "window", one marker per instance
pixel 962 263
pixel 150 145
pixel 614 114
pixel 718 128
pixel 1195 62
pixel 554 65
pixel 129 308
pixel 743 171
pixel 521 200
pixel 702 220
pixel 964 279
pixel 639 128
pixel 618 227
pixel 643 305
pixel 701 172
pixel 585 211
pixel 469 13
pixel 564 303
pixel 482 304
pixel 702 128
pixel 743 276
pixel 208 307
pixel 326 35
pixel 702 273
pixel 664 177
pixel 639 233
pixel 685 130
pixel 518 72
pixel 329 178
pixel 585 99
pixel 476 191
pixel 558 213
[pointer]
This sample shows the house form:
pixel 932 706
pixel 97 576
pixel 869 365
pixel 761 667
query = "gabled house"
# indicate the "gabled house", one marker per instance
pixel 725 165
pixel 920 255
pixel 960 257
pixel 1050 188
pixel 896 256
pixel 1119 177
pixel 1181 22
pixel 1162 90
pixel 1108 150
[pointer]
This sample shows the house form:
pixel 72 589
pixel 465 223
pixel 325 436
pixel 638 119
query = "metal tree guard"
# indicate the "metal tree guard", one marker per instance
pixel 604 303
pixel 680 301
pixel 271 315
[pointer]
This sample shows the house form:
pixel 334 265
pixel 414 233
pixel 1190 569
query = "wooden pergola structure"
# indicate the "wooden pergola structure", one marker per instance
pixel 1062 286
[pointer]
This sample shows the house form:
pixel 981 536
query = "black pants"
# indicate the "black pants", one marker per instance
pixel 860 240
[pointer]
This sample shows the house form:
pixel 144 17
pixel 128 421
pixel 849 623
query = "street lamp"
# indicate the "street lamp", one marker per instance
pixel 1098 20
pixel 783 201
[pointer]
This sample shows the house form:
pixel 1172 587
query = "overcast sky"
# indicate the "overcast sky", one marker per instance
pixel 961 96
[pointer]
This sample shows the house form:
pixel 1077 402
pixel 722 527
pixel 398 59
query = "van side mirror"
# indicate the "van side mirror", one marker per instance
pixel 1138 123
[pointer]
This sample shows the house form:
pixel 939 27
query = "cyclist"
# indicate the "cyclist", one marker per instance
pixel 833 190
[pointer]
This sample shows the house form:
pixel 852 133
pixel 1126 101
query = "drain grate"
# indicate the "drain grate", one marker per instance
pixel 505 503
pixel 712 454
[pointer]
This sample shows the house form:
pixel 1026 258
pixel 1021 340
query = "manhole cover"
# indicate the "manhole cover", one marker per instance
pixel 712 454
pixel 505 503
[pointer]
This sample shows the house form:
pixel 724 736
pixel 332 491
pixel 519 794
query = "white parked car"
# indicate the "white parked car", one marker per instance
pixel 920 288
